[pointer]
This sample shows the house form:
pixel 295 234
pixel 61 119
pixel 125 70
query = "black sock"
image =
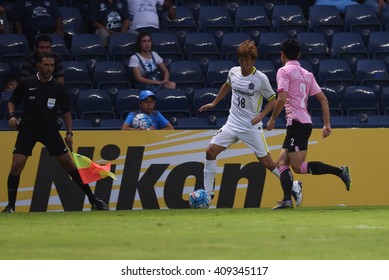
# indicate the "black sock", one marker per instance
pixel 85 187
pixel 287 184
pixel 13 184
pixel 319 168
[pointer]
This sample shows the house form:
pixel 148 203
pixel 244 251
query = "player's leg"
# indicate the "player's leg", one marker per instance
pixel 57 148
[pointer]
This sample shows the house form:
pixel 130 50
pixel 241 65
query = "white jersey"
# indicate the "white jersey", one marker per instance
pixel 247 98
pixel 143 13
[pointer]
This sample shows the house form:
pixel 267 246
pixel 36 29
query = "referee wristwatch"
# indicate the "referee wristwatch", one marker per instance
pixel 69 133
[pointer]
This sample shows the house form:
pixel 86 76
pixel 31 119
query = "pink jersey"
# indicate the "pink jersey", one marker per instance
pixel 299 84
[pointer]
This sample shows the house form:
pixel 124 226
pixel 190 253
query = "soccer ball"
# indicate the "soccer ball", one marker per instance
pixel 199 199
pixel 142 121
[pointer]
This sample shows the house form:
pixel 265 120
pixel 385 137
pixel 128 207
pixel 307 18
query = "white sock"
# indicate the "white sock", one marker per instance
pixel 210 168
pixel 276 172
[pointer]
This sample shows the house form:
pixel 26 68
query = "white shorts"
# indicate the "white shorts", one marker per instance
pixel 253 138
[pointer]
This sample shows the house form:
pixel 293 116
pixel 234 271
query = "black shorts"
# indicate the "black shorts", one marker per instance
pixel 52 140
pixel 297 136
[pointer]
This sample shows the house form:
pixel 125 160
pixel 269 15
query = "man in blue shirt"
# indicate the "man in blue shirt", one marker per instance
pixel 146 118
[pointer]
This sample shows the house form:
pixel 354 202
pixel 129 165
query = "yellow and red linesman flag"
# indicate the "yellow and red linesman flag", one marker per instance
pixel 91 171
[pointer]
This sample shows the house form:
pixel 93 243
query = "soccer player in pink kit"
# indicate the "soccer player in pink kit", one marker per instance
pixel 295 85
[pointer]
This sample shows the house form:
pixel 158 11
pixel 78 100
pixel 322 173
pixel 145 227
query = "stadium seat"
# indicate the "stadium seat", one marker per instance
pixel 230 43
pixel 384 101
pixel 378 121
pixel 5 73
pixel 215 18
pixel 280 122
pixel 314 48
pixel 192 123
pixel 335 74
pixel 184 20
pixel 349 46
pixel 378 46
pixel 289 19
pixel 270 47
pixel 94 105
pixel 267 67
pixel 127 101
pixel 204 96
pixel 372 73
pixel 111 124
pixel 307 65
pixel 111 76
pixel 13 49
pixel 361 19
pixel 4 125
pixel 217 72
pixel 79 124
pixel 198 46
pixel 187 75
pixel 121 46
pixel 72 20
pixel 76 78
pixel 167 45
pixel 59 46
pixel 325 19
pixel 252 19
pixel 384 18
pixel 88 47
pixel 314 106
pixel 345 122
pixel 359 100
pixel 173 104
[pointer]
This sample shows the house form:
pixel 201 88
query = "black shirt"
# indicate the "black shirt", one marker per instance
pixel 41 103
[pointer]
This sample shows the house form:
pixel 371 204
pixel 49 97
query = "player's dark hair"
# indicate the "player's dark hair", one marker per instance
pixel 43 55
pixel 291 49
pixel 139 38
pixel 42 38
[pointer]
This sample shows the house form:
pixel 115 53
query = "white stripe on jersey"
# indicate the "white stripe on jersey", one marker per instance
pixel 247 97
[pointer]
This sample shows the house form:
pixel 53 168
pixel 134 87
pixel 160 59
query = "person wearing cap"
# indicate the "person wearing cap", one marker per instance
pixel 147 104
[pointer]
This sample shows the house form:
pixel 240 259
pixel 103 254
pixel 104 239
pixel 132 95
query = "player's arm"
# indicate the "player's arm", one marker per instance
pixel 326 113
pixel 221 94
pixel 265 111
pixel 278 107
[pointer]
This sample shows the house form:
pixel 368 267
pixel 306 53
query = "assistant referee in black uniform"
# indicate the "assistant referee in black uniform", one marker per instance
pixel 42 97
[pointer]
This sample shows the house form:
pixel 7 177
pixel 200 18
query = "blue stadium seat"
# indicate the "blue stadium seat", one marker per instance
pixel 280 122
pixel 217 72
pixel 230 43
pixel 13 49
pixel 359 100
pixel 94 105
pixel 204 96
pixel 72 20
pixel 187 75
pixel 314 48
pixel 198 46
pixel 59 46
pixel 325 19
pixel 192 123
pixel 384 18
pixel 111 124
pixel 184 20
pixel 167 45
pixel 361 19
pixel 314 106
pixel 4 125
pixel 5 73
pixel 372 73
pixel 111 76
pixel 173 104
pixel 121 46
pixel 349 46
pixel 87 47
pixel 79 124
pixel 127 101
pixel 378 46
pixel 76 78
pixel 335 74
pixel 378 121
pixel 269 5
pixel 252 19
pixel 384 101
pixel 289 19
pixel 215 18
pixel 267 67
pixel 270 47
pixel 345 122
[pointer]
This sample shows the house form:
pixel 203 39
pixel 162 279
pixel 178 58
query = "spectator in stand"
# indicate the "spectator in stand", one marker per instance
pixel 43 44
pixel 153 120
pixel 10 84
pixel 148 70
pixel 108 17
pixel 144 14
pixel 35 17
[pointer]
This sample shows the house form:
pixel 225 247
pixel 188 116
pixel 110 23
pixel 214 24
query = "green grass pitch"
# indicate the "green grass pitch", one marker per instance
pixel 306 233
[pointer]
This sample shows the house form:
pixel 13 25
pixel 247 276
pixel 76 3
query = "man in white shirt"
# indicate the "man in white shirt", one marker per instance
pixel 144 14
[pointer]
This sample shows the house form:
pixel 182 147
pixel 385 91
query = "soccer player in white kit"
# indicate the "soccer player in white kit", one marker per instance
pixel 249 87
pixel 294 86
